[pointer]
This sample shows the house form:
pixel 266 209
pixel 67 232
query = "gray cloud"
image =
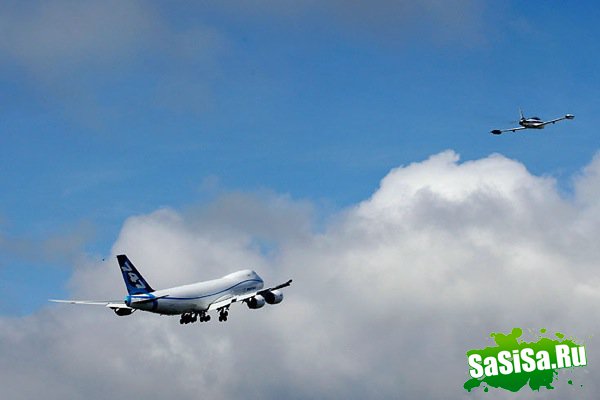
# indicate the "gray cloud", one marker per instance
pixel 460 22
pixel 455 21
pixel 386 299
pixel 51 38
pixel 77 56
pixel 61 247
pixel 73 51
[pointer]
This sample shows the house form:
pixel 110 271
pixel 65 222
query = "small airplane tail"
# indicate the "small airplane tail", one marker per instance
pixel 521 114
pixel 136 284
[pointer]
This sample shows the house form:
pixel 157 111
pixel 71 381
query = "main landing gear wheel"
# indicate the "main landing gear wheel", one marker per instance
pixel 223 315
pixel 204 317
pixel 186 318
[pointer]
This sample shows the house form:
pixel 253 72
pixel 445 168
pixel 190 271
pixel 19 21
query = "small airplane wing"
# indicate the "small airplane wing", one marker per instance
pixel 553 121
pixel 499 131
pixel 241 298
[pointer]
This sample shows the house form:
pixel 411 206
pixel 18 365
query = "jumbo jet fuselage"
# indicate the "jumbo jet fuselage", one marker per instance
pixel 196 297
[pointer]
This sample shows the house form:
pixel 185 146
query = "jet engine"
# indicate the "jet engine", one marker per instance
pixel 123 311
pixel 256 302
pixel 273 296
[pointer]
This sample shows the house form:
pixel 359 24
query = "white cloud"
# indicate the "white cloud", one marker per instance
pixel 385 301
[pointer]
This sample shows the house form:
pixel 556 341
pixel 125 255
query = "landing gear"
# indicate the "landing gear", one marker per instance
pixel 223 314
pixel 204 317
pixel 187 318
pixel 190 317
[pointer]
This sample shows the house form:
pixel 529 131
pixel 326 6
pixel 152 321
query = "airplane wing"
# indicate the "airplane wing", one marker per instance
pixel 222 303
pixel 499 131
pixel 288 283
pixel 552 121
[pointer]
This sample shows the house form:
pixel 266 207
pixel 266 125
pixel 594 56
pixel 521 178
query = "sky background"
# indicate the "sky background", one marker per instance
pixel 265 134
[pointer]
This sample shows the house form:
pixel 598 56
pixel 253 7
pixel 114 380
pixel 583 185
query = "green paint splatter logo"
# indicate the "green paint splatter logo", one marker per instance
pixel 514 363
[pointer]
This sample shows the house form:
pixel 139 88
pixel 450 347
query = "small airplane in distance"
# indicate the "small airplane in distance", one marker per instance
pixel 192 302
pixel 531 123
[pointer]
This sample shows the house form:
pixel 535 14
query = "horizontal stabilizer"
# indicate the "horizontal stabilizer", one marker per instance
pixel 119 306
pixel 90 302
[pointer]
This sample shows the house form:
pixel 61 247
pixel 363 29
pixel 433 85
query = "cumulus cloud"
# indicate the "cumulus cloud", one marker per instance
pixel 385 303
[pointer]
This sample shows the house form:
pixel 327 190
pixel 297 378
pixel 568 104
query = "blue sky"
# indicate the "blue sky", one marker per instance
pixel 117 109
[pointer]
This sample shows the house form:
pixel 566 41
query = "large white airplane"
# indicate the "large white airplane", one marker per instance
pixel 192 302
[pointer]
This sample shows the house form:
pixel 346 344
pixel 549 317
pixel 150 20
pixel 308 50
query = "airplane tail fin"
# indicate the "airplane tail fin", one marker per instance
pixel 521 114
pixel 134 281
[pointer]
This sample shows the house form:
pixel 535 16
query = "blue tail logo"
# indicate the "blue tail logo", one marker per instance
pixel 134 281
